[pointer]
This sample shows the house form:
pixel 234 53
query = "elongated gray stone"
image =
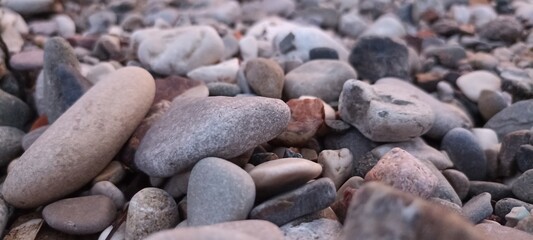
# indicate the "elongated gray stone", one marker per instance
pixel 196 128
pixel 80 144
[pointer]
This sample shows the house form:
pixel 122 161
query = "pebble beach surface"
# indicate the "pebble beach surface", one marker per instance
pixel 266 120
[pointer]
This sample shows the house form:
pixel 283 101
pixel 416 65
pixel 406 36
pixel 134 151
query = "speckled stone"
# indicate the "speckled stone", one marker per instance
pixel 57 163
pixel 280 175
pixel 15 112
pixel 218 191
pixel 381 212
pixel 81 215
pixel 518 116
pixel 497 190
pixel 522 186
pixel 236 125
pixel 150 210
pixel 10 144
pixel 286 207
pixel 504 206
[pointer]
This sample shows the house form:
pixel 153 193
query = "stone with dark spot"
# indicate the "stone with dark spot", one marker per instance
pixel 377 57
pixel 458 180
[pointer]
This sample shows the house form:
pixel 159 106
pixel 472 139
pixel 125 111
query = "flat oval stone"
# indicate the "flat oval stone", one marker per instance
pixel 279 175
pixel 15 112
pixel 402 171
pixel 150 210
pixel 219 191
pixel 522 187
pixel 518 116
pixel 81 215
pixel 478 208
pixel 471 160
pixel 309 198
pixel 179 139
pixel 318 78
pixel 265 77
pixel 10 144
pixel 472 84
pixel 82 141
pixel 109 190
pixel 497 190
pixel 384 113
pixel 27 60
pixel 458 180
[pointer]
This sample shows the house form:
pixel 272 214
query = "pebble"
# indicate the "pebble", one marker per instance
pixel 319 229
pixel 177 185
pixel 482 14
pixel 265 77
pixel 223 72
pixel 498 232
pixel 337 165
pixel 522 187
pixel 307 116
pixel 510 147
pixel 223 89
pixel 376 57
pixel 114 172
pixel 459 182
pixel 483 61
pixel 504 206
pixel 150 210
pixel 471 161
pixel 92 141
pixel 10 144
pixel 354 141
pixel 478 208
pixel 27 60
pixel 319 78
pixel 526 224
pixel 381 212
pixel 30 7
pixel 402 171
pixel 248 48
pixel 497 190
pixel 503 28
pixel 524 158
pixel 280 175
pixel 252 121
pixel 218 191
pixel 447 116
pixel 323 53
pixel 472 84
pixel 487 138
pixel 513 118
pixel 109 190
pixel 516 214
pixel 351 24
pixel 15 113
pixel 384 113
pixel 444 189
pixel 311 197
pixel 81 215
pixel 386 26
pixel 178 50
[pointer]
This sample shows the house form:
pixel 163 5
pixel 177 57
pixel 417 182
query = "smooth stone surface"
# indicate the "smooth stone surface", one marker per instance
pixel 504 206
pixel 447 116
pixel 473 83
pixel 319 229
pixel 10 144
pixel 516 117
pixel 377 57
pixel 459 182
pixel 204 233
pixel 30 7
pixel 223 72
pixel 116 106
pixel 524 158
pixel 218 191
pixel 381 212
pixel 522 187
pixel 276 176
pixel 178 50
pixel 319 78
pixel 30 137
pixel 353 140
pixel 337 165
pixel 114 172
pixel 150 210
pixel 223 89
pixel 471 161
pixel 81 215
pixel 177 185
pixel 265 77
pixel 307 116
pixel 420 150
pixel 109 190
pixel 309 198
pixel 13 111
pixel 486 137
pixel 510 147
pixel 59 54
pixel 27 60
pixel 478 208
pixel 498 232
pixel 497 190
pixel 448 55
pixel 384 113
pixel 402 171
pixel 503 28
pixel 243 123
pixel 352 25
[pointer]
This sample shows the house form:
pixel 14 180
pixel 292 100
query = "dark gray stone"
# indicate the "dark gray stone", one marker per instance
pixel 490 103
pixel 448 56
pixel 524 157
pixel 311 197
pixel 470 160
pixel 235 125
pixel 10 144
pixel 497 190
pixel 381 212
pixel 503 28
pixel 352 139
pixel 13 111
pixel 377 57
pixel 444 189
pixel 504 206
pixel 478 208
pixel 223 89
pixel 518 116
pixel 510 146
pixel 323 53
pixel 459 182
pixel 522 186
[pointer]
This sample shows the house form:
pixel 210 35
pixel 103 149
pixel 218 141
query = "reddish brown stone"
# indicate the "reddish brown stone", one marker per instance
pixel 170 87
pixel 39 122
pixel 307 115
